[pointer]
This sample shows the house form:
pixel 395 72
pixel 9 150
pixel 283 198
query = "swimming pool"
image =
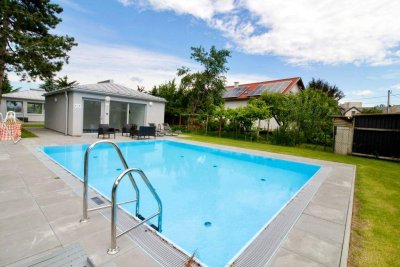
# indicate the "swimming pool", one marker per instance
pixel 214 201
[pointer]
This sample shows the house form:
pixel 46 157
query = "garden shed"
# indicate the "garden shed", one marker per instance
pixel 81 108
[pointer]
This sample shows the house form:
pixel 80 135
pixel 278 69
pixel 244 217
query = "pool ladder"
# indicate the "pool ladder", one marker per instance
pixel 114 205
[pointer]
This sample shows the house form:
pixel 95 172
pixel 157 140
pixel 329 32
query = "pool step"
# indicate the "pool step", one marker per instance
pixel 72 256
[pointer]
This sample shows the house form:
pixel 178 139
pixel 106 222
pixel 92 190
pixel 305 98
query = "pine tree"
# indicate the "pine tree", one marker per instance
pixel 26 45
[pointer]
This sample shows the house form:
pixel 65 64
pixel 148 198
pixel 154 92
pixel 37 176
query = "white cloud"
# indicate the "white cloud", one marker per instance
pixel 126 65
pixel 362 93
pixel 302 31
pixel 396 86
pixel 203 9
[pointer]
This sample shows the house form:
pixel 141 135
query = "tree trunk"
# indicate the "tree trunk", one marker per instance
pixel 3 51
pixel 220 127
pixel 258 129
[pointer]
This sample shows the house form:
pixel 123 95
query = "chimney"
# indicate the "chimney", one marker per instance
pixel 107 81
pixel 236 84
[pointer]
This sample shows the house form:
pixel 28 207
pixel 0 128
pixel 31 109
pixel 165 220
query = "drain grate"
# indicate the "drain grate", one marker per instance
pixel 97 200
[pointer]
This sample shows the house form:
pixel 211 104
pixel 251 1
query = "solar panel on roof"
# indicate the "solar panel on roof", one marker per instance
pixel 235 92
pixel 277 87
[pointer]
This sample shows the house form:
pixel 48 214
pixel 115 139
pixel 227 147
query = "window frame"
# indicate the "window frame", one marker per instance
pixel 28 111
pixel 15 101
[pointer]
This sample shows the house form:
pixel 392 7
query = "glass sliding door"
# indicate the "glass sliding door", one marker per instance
pixel 91 115
pixel 118 114
pixel 136 114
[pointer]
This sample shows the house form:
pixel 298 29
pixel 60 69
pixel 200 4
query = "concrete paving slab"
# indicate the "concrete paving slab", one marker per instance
pixel 62 209
pixel 285 258
pixel 97 244
pixel 333 196
pixel 11 181
pixel 54 197
pixel 326 213
pixel 21 222
pixel 313 247
pixel 68 229
pixel 16 207
pixel 16 193
pixel 325 229
pixel 27 243
pixel 51 186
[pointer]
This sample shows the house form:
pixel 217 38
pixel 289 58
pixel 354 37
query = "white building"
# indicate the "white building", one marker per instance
pixel 240 94
pixel 80 109
pixel 349 109
pixel 27 104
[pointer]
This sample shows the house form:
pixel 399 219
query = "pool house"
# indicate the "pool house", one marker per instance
pixel 80 109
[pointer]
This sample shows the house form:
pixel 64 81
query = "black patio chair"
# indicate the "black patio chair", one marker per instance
pixel 104 130
pixel 126 129
pixel 146 131
pixel 133 131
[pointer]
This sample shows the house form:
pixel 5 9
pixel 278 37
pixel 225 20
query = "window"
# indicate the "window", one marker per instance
pixel 35 108
pixel 15 106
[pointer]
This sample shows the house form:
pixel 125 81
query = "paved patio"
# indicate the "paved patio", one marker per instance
pixel 39 214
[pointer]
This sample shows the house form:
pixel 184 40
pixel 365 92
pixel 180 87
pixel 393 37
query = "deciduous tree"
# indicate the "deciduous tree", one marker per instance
pixel 321 85
pixel 204 88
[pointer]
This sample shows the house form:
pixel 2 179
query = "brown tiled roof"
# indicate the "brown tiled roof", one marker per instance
pixel 245 91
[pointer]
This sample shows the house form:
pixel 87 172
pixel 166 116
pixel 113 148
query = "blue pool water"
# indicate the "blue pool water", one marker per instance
pixel 214 201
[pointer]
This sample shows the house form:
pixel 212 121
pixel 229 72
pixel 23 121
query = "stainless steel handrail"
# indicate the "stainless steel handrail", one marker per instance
pixel 85 180
pixel 114 249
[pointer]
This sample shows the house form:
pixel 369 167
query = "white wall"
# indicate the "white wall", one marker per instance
pixel 155 113
pixel 55 112
pixel 31 117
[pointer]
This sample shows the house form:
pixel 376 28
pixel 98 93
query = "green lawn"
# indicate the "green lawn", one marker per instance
pixel 27 134
pixel 33 124
pixel 375 237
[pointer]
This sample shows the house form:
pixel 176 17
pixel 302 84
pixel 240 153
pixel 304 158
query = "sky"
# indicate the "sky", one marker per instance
pixel 352 44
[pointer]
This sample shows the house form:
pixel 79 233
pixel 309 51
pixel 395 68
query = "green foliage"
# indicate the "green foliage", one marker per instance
pixel 63 82
pixel 373 110
pixel 303 117
pixel 51 85
pixel 279 106
pixel 203 89
pixel 323 86
pixel 220 113
pixel 311 114
pixel 175 97
pixel 7 87
pixel 26 45
pixel 257 109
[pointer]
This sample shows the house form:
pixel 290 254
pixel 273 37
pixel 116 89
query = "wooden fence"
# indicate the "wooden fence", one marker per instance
pixel 377 135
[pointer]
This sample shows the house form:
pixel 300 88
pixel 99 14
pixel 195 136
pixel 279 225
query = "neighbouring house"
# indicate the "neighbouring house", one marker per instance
pixel 81 108
pixel 240 94
pixel 28 105
pixel 349 109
